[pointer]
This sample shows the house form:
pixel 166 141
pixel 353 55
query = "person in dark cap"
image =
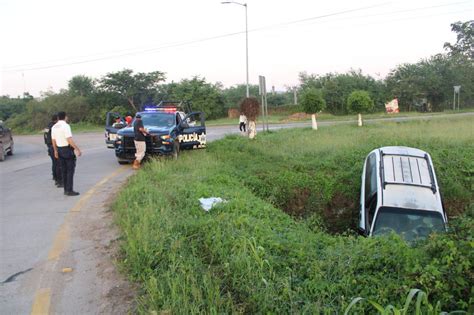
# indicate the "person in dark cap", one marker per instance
pixel 140 144
pixel 56 166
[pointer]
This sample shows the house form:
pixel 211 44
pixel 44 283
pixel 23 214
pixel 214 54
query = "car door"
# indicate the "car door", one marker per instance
pixel 368 198
pixel 110 130
pixel 192 131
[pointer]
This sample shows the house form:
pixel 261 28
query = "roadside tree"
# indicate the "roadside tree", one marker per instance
pixel 250 107
pixel 81 85
pixel 465 39
pixel 136 88
pixel 360 102
pixel 312 102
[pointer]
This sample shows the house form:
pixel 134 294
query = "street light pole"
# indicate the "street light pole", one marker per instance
pixel 246 42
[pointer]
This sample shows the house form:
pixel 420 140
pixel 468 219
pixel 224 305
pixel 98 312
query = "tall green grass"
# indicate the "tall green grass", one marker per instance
pixel 267 249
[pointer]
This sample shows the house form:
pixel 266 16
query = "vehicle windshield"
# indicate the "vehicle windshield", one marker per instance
pixel 159 119
pixel 410 224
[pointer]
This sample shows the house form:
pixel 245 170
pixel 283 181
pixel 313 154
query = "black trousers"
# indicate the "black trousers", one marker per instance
pixel 242 126
pixel 56 165
pixel 68 165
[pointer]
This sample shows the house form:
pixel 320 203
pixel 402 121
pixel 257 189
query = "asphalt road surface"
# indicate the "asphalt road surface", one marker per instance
pixel 53 248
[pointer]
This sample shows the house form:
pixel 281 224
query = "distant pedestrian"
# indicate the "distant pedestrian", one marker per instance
pixel 140 143
pixel 66 151
pixel 242 123
pixel 56 165
pixel 118 123
pixel 128 120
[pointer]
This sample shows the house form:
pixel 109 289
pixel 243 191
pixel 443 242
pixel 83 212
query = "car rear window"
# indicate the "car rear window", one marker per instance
pixel 409 223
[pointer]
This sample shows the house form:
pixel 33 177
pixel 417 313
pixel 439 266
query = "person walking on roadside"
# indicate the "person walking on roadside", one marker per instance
pixel 66 151
pixel 56 167
pixel 242 123
pixel 140 144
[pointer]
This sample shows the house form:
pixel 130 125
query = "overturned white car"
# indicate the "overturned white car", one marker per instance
pixel 400 193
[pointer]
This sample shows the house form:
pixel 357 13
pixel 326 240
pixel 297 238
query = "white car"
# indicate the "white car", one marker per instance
pixel 400 193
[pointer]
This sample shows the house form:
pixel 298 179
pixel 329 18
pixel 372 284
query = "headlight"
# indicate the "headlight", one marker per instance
pixel 119 137
pixel 165 137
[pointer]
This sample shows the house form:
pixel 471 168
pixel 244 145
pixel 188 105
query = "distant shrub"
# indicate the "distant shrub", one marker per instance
pixel 359 102
pixel 312 101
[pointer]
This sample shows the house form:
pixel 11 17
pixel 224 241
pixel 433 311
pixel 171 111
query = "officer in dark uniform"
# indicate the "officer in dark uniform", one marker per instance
pixel 56 166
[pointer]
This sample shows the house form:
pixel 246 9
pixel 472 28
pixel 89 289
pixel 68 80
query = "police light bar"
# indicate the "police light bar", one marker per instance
pixel 160 109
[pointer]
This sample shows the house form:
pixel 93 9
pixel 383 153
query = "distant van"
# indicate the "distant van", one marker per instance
pixel 400 193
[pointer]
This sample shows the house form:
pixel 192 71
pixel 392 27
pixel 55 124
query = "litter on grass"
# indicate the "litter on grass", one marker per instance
pixel 208 203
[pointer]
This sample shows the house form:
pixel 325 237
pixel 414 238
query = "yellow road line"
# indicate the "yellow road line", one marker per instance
pixel 42 302
pixel 42 299
pixel 93 190
pixel 59 243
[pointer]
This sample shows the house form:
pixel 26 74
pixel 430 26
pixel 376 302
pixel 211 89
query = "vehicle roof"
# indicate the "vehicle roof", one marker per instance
pixel 408 179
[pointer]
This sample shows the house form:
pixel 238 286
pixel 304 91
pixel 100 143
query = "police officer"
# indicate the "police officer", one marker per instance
pixel 56 167
pixel 140 141
pixel 65 150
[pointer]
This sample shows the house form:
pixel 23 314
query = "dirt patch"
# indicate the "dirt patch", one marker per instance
pixel 96 258
pixel 296 204
pixel 339 214
pixel 297 117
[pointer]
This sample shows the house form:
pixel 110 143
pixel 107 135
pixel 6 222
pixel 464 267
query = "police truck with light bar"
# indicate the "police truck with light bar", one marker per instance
pixel 171 130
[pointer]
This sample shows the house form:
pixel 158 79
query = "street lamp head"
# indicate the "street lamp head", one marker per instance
pixel 234 2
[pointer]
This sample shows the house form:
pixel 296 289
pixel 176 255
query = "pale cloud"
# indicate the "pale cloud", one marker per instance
pixel 48 32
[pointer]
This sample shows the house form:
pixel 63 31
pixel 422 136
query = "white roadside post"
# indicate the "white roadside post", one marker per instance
pixel 457 90
pixel 359 120
pixel 262 90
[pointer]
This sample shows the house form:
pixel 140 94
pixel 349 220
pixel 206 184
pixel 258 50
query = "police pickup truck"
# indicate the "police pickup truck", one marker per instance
pixel 171 130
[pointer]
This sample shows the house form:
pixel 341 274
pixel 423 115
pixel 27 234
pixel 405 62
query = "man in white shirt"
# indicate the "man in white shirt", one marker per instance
pixel 65 150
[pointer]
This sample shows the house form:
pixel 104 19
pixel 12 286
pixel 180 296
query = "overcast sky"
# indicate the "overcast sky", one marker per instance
pixel 46 42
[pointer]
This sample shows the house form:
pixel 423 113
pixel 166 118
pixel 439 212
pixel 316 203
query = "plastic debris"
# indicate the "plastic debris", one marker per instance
pixel 208 203
pixel 65 270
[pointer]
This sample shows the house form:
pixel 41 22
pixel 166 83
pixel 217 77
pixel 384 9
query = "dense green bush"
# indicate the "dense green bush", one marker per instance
pixel 312 101
pixel 249 256
pixel 359 102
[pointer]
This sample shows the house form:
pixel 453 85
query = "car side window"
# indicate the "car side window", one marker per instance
pixel 370 178
pixel 370 195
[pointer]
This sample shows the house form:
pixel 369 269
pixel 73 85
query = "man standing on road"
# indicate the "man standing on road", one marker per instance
pixel 65 150
pixel 56 168
pixel 140 144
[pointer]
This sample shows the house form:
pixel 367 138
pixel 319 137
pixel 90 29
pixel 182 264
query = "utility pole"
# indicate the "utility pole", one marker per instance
pixel 246 41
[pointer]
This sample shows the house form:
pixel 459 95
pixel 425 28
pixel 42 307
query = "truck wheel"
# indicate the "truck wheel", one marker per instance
pixel 11 149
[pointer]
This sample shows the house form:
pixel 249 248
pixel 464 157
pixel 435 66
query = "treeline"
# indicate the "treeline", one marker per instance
pixel 427 84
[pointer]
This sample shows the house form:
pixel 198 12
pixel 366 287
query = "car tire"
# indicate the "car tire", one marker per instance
pixel 11 148
pixel 2 154
pixel 122 162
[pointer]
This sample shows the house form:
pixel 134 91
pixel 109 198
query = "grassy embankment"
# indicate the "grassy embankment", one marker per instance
pixel 76 128
pixel 277 116
pixel 276 246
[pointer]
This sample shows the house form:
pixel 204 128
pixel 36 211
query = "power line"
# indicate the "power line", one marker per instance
pixel 185 43
pixel 132 52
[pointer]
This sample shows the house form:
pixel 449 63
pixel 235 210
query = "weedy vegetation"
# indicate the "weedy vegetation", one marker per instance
pixel 284 242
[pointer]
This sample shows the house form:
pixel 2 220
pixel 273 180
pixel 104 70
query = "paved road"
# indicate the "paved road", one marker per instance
pixel 42 231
